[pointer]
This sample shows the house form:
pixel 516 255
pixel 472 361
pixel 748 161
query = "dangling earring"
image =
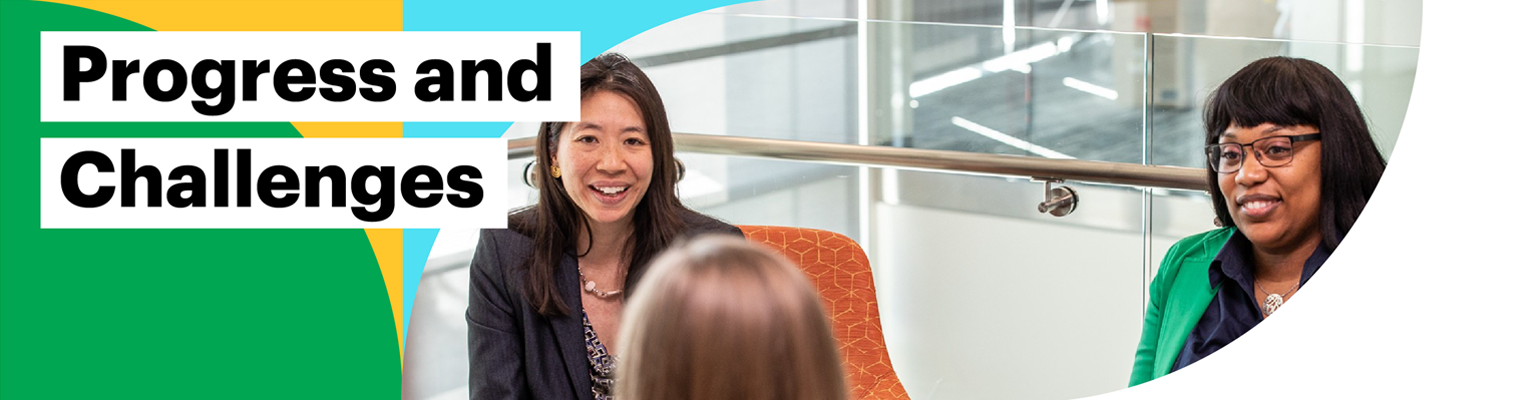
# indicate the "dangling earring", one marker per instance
pixel 554 170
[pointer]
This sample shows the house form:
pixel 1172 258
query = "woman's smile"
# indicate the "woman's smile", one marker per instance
pixel 610 193
pixel 1258 206
pixel 605 159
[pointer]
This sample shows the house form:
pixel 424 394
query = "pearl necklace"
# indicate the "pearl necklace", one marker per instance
pixel 591 287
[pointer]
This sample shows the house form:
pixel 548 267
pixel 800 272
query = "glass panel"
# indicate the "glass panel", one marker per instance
pixel 1389 22
pixel 436 352
pixel 1175 215
pixel 754 76
pixel 977 12
pixel 770 192
pixel 1058 94
pixel 1068 14
pixel 1187 69
pixel 794 8
pixel 1007 303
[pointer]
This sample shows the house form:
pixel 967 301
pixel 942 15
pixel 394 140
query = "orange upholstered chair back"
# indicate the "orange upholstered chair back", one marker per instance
pixel 840 270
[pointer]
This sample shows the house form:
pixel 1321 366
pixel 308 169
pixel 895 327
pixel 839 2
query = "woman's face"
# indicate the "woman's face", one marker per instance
pixel 605 159
pixel 1275 207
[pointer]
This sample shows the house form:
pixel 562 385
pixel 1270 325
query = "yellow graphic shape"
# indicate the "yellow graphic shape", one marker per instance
pixel 291 15
pixel 270 15
pixel 349 129
pixel 387 243
pixel 388 249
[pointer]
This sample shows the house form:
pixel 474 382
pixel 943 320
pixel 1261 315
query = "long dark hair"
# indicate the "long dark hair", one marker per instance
pixel 555 221
pixel 1289 91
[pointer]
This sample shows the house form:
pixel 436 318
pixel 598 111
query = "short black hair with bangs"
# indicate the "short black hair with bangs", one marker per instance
pixel 1288 91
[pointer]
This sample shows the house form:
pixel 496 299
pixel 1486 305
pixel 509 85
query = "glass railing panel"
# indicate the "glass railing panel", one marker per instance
pixel 436 352
pixel 794 8
pixel 1391 22
pixel 1057 94
pixel 1032 92
pixel 1188 68
pixel 783 78
pixel 981 296
pixel 972 12
pixel 769 192
pixel 1176 214
pixel 978 12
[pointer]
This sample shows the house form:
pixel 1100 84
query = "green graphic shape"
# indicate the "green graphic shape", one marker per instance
pixel 164 313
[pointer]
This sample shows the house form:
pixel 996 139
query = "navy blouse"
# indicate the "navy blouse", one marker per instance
pixel 1234 310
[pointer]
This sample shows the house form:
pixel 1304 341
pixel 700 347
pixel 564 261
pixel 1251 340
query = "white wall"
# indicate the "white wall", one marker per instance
pixel 984 307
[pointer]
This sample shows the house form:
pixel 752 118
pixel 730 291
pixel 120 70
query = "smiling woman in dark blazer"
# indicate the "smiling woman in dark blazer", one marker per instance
pixel 547 294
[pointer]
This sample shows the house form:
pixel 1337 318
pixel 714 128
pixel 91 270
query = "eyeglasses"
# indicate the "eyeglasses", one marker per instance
pixel 1273 151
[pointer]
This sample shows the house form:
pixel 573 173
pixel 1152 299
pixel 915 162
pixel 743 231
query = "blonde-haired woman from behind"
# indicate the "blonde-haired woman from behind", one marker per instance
pixel 723 318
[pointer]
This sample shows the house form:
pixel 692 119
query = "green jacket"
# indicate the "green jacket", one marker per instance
pixel 1180 293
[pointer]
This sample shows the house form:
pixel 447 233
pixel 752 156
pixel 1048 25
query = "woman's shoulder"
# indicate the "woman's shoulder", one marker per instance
pixel 505 239
pixel 503 248
pixel 518 230
pixel 1217 236
pixel 696 224
pixel 1202 245
pixel 523 221
pixel 1197 249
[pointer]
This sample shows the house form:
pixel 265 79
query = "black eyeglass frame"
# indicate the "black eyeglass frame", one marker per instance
pixel 1242 150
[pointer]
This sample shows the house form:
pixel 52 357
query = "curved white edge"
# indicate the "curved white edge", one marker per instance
pixel 1429 296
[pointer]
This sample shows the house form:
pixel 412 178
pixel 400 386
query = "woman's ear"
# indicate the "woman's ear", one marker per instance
pixel 554 148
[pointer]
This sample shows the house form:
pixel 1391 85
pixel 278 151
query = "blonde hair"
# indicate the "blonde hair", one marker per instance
pixel 723 318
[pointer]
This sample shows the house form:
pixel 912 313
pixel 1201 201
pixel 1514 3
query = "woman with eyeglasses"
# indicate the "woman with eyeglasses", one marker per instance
pixel 1291 166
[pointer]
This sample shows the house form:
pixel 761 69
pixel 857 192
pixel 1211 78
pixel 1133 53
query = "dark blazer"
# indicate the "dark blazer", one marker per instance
pixel 516 353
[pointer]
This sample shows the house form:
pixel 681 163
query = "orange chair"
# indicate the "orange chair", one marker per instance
pixel 840 271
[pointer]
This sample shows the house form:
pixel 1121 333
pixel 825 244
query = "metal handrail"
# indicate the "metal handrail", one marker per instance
pixel 928 160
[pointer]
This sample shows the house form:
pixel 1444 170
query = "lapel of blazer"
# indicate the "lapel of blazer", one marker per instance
pixel 1190 295
pixel 568 331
